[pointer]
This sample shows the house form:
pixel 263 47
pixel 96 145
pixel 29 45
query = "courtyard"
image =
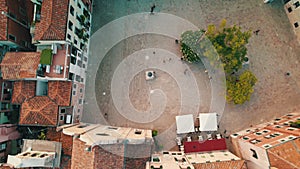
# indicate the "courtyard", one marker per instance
pixel 272 53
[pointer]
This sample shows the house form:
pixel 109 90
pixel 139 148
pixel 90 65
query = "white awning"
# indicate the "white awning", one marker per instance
pixel 208 122
pixel 185 124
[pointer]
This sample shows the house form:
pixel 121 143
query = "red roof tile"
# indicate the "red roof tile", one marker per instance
pixel 39 110
pixel 286 154
pixel 221 165
pixel 60 92
pixel 208 145
pixel 23 90
pixel 18 65
pixel 53 24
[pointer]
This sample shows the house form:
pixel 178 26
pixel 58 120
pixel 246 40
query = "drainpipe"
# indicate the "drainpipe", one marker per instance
pixel 66 58
pixel 125 149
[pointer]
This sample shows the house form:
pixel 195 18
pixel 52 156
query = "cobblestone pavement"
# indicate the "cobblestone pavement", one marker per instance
pixel 272 53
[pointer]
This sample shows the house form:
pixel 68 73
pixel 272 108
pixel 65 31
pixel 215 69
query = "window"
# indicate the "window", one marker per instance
pixel 79 6
pixel 22 11
pixel 61 118
pixel 77 78
pixel 74 86
pixel 78 18
pixel 77 31
pixel 81 90
pixel 74 92
pixel 63 111
pixel 80 101
pixel 81 46
pixel 286 1
pixel 72 10
pixel 78 110
pixel 70 25
pixel 2 146
pixel 75 41
pixel 71 75
pixel 254 153
pixel 297 4
pixel 289 9
pixel 69 36
pixel 12 37
pixel 296 24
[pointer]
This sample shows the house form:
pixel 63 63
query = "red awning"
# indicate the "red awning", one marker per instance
pixel 208 145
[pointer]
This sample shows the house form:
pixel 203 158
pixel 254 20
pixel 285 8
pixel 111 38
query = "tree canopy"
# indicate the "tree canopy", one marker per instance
pixel 240 88
pixel 223 46
pixel 230 43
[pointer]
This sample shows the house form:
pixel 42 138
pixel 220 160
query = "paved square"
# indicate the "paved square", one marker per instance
pixel 272 52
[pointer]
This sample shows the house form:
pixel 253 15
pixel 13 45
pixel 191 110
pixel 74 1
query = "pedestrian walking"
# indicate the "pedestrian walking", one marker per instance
pixel 256 32
pixel 152 9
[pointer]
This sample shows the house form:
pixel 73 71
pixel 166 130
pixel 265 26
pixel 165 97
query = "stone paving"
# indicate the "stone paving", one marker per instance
pixel 272 53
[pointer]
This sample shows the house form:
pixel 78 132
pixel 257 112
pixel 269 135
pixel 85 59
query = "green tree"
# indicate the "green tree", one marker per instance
pixel 240 88
pixel 223 47
pixel 190 47
pixel 225 44
pixel 230 43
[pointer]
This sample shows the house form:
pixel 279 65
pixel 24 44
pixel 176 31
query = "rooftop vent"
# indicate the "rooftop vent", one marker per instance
pixel 245 138
pixel 267 146
pixel 113 128
pixel 234 135
pixel 138 132
pixel 265 131
pixel 82 126
pixel 282 140
pixel 102 134
pixel 292 137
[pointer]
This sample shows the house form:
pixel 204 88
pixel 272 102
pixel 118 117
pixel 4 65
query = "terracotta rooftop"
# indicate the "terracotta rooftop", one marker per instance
pixel 18 65
pixel 39 110
pixel 23 90
pixel 53 24
pixel 286 154
pixel 60 92
pixel 221 165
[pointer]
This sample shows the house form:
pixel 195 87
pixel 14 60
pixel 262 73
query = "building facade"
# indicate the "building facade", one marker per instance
pixel 10 138
pixel 15 20
pixel 63 29
pixel 93 146
pixel 201 160
pixel 292 9
pixel 271 144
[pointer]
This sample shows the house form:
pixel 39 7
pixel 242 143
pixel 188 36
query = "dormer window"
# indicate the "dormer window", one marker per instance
pixel 139 132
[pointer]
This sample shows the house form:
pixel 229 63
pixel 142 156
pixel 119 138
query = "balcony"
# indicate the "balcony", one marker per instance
pixel 58 64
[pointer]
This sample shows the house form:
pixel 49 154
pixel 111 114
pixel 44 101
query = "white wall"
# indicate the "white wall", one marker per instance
pixel 261 163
